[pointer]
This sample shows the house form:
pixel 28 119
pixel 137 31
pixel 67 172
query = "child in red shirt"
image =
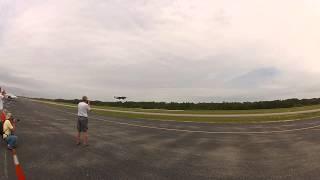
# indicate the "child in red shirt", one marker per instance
pixel 3 116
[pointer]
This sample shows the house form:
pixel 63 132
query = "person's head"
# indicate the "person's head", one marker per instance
pixel 8 116
pixel 85 99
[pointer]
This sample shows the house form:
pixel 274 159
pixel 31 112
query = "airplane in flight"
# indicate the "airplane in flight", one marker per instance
pixel 120 97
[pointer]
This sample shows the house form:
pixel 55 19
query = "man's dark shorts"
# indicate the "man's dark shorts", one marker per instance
pixel 82 124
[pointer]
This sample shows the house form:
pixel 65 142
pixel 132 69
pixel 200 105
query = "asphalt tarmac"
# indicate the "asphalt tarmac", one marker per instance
pixel 146 149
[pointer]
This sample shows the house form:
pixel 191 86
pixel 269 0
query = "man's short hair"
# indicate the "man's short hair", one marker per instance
pixel 84 98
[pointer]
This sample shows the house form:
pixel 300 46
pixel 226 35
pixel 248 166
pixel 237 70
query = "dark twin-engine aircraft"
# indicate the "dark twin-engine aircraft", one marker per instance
pixel 120 97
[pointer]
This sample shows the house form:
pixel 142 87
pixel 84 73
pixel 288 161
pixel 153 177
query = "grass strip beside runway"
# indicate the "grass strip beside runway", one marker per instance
pixel 182 118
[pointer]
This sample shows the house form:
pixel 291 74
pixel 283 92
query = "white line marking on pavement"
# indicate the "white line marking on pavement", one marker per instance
pixel 64 119
pixel 213 132
pixel 204 132
pixel 5 164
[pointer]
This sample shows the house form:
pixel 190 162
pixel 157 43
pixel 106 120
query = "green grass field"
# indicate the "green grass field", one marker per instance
pixel 276 118
pixel 257 111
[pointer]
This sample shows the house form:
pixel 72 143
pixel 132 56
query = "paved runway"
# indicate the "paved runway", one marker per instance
pixel 145 149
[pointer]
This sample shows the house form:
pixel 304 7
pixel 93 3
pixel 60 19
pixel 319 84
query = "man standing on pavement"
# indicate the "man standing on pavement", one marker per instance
pixel 2 96
pixel 82 124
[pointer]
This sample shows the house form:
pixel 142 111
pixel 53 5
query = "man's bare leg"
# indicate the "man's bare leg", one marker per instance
pixel 78 138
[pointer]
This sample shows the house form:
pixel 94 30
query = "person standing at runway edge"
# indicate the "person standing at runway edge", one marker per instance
pixel 82 123
pixel 2 96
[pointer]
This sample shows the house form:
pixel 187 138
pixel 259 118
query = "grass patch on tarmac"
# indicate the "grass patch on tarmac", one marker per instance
pixel 276 118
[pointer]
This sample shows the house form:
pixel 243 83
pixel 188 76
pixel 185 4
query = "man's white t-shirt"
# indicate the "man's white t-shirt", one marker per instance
pixel 83 109
pixel 1 102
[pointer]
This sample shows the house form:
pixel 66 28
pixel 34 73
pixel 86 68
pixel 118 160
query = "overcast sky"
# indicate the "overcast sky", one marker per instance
pixel 162 50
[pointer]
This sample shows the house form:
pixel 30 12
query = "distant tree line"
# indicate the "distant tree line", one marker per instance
pixel 288 103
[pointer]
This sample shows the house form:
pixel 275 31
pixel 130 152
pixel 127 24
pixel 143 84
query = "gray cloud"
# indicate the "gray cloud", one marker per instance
pixel 160 50
pixel 254 78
